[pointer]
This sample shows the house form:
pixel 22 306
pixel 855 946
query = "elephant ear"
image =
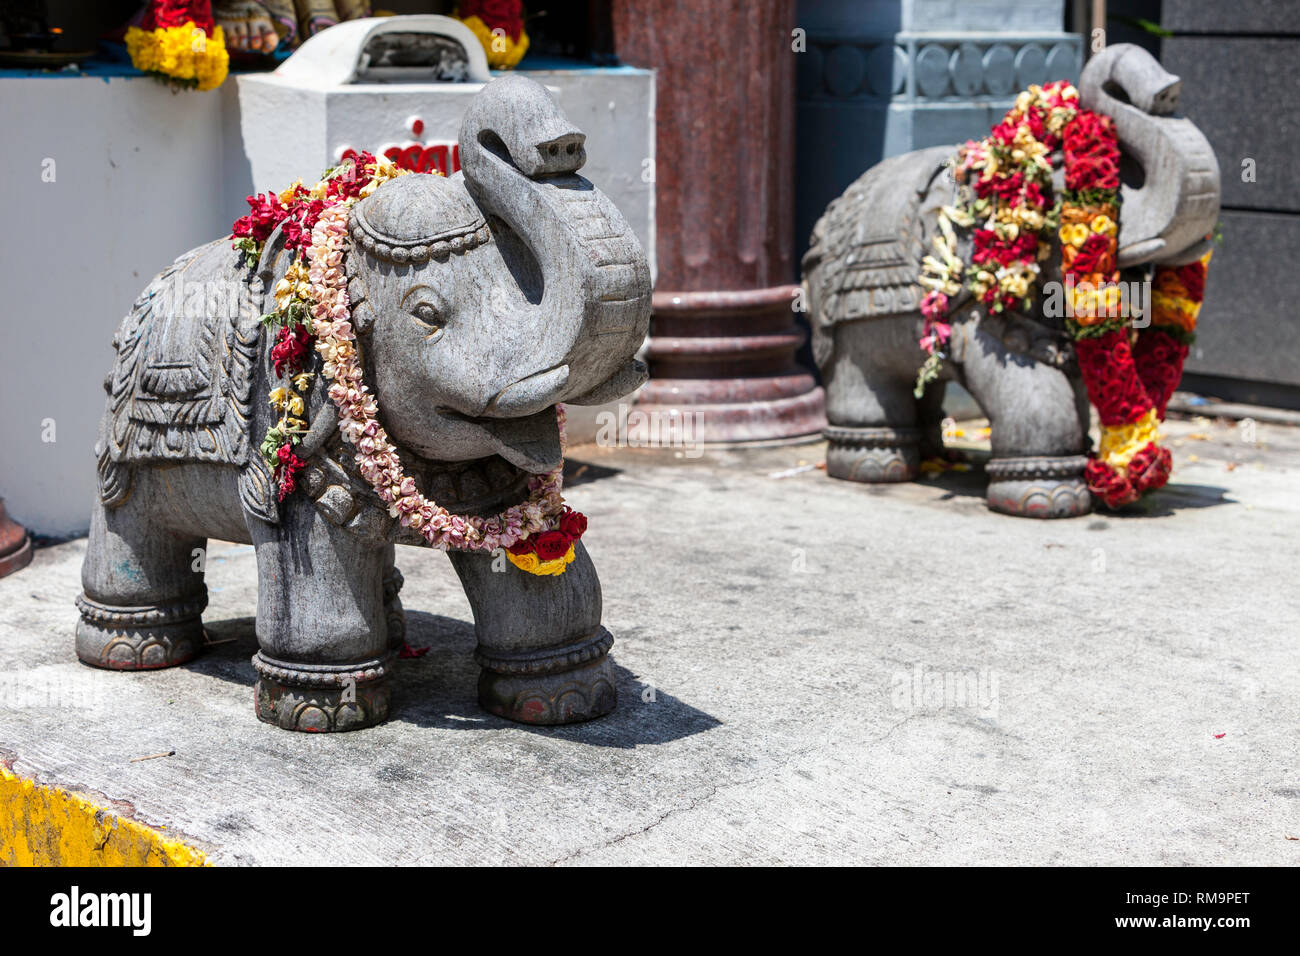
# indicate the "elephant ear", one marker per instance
pixel 257 492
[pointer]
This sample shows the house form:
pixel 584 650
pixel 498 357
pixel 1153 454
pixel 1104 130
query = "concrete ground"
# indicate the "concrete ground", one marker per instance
pixel 812 671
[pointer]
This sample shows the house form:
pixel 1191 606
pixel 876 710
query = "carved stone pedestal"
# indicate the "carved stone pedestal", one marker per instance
pixel 1039 487
pixel 873 454
pixel 139 638
pixel 321 698
pixel 560 685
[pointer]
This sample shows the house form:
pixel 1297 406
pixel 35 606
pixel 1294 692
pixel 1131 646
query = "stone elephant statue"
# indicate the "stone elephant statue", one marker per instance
pixel 860 278
pixel 478 304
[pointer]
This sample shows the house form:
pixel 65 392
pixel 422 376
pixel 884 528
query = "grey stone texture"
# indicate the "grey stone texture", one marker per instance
pixel 777 704
pixel 860 275
pixel 480 302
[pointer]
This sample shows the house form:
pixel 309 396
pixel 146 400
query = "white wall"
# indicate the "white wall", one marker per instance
pixel 142 175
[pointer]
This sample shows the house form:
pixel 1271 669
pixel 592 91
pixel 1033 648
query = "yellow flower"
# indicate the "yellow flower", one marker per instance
pixel 1074 234
pixel 302 380
pixel 279 397
pixel 180 53
pixel 1103 225
pixel 286 195
pixel 524 562
pixel 502 52
pixel 1119 443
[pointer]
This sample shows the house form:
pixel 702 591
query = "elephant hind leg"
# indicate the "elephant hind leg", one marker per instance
pixel 142 591
pixel 875 429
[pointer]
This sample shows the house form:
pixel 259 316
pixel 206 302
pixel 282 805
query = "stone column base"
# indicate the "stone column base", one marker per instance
pixel 873 454
pixel 550 685
pixel 15 545
pixel 139 638
pixel 1039 486
pixel 727 359
pixel 321 698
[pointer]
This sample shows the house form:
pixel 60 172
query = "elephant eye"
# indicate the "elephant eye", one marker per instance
pixel 429 317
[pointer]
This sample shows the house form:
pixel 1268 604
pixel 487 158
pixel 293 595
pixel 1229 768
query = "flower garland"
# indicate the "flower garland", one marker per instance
pixel 178 42
pixel 313 312
pixel 1129 376
pixel 499 26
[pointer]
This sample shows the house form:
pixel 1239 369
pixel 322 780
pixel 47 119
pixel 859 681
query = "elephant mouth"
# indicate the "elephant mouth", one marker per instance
pixel 531 443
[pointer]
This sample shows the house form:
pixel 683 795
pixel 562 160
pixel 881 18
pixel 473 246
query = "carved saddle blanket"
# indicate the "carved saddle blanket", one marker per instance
pixel 180 390
pixel 867 248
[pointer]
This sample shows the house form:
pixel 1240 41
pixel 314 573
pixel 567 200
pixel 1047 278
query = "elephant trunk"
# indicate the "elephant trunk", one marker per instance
pixel 1171 193
pixel 520 164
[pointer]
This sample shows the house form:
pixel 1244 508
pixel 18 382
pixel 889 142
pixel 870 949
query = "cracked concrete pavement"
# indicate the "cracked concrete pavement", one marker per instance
pixel 811 671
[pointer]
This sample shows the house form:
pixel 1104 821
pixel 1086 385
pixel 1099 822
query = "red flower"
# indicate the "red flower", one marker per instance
pixel 1111 378
pixel 267 213
pixel 1106 483
pixel 507 14
pixel 573 523
pixel 290 349
pixel 177 13
pixel 552 545
pixel 1159 359
pixel 1149 468
pixel 521 547
pixel 1192 277
pixel 287 470
pixel 1091 152
pixel 1094 255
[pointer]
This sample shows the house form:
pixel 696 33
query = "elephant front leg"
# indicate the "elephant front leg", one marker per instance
pixel 324 659
pixel 875 433
pixel 543 651
pixel 142 588
pixel 1038 437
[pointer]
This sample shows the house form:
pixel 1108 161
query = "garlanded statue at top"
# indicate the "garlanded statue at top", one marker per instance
pixel 1020 268
pixel 389 369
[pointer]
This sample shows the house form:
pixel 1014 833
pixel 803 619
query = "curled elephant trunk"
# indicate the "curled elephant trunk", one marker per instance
pixel 584 275
pixel 1171 177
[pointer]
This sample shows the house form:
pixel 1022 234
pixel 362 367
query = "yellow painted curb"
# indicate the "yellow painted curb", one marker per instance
pixel 47 826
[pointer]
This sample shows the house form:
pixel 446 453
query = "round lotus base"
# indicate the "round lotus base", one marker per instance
pixel 321 698
pixel 873 454
pixel 141 638
pixel 1039 487
pixel 548 686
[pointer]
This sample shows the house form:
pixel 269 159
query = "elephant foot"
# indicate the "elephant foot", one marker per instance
pixel 550 685
pixel 321 698
pixel 141 638
pixel 1039 487
pixel 873 454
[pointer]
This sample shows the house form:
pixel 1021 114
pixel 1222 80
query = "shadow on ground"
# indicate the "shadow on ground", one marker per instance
pixel 440 688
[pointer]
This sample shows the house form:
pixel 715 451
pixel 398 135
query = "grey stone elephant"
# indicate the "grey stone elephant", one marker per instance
pixel 479 302
pixel 863 298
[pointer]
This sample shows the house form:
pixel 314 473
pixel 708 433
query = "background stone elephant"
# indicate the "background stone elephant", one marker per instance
pixel 861 271
pixel 479 302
